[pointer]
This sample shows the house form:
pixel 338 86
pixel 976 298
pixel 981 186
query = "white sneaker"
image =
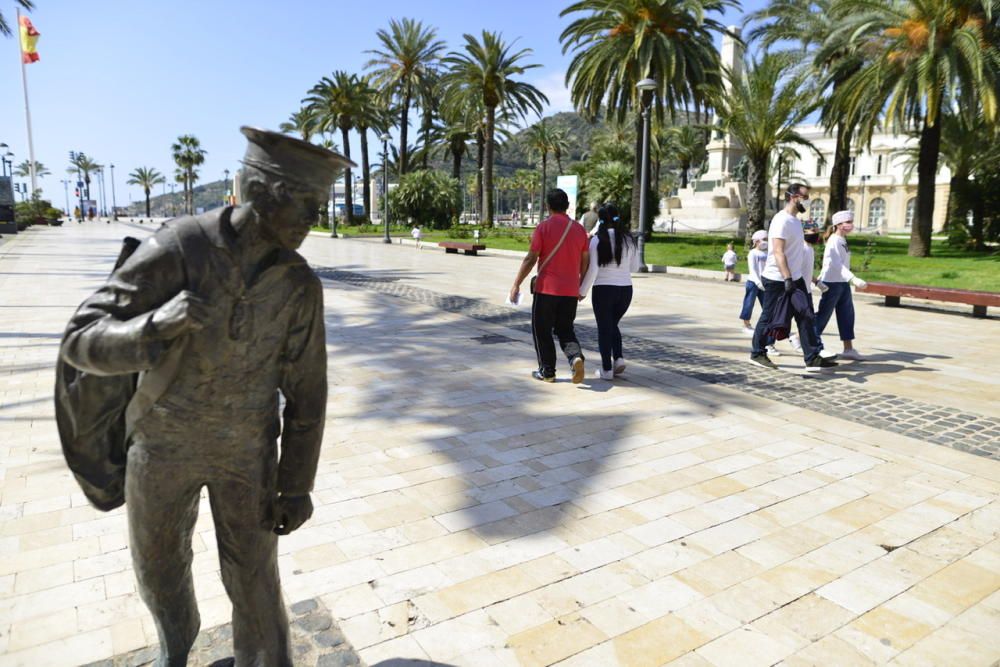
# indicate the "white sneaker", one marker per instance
pixel 773 351
pixel 602 374
pixel 747 331
pixel 619 366
pixel 851 354
pixel 828 354
pixel 794 342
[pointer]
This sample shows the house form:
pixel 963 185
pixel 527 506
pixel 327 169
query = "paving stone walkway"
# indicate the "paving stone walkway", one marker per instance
pixel 468 516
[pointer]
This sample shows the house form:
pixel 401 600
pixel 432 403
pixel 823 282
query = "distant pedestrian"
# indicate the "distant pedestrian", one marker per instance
pixel 836 276
pixel 418 236
pixel 591 219
pixel 614 257
pixel 756 259
pixel 729 262
pixel 560 244
pixel 782 277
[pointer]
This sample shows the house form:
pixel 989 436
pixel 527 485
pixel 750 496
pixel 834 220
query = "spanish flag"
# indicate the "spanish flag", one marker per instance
pixel 29 37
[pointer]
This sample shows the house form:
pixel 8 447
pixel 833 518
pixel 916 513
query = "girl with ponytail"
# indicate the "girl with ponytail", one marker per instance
pixel 614 257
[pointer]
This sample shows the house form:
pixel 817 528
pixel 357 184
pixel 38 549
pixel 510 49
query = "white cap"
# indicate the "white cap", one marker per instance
pixel 759 235
pixel 842 216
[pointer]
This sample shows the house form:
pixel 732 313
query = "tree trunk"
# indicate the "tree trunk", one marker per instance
pixel 190 178
pixel 480 149
pixel 923 225
pixel 488 168
pixel 636 172
pixel 456 164
pixel 685 166
pixel 366 173
pixel 147 203
pixel 840 171
pixel 404 123
pixel 425 131
pixel 348 199
pixel 978 230
pixel 545 164
pixel 756 194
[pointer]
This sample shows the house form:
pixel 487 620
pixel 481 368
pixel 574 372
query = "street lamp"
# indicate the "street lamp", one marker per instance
pixel 646 88
pixel 8 164
pixel 66 192
pixel 4 147
pixel 385 185
pixel 173 202
pixel 73 155
pixel 225 187
pixel 114 210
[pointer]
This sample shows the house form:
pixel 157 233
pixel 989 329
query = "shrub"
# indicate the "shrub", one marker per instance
pixel 429 197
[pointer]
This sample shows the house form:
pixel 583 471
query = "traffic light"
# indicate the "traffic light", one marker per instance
pixel 76 192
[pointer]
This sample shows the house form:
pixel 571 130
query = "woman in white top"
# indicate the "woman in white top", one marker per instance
pixel 836 277
pixel 614 257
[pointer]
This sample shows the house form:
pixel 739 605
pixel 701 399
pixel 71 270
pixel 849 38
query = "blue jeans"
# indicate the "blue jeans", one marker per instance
pixel 752 292
pixel 610 304
pixel 837 299
pixel 773 290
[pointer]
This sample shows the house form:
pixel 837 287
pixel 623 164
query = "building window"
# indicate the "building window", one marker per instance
pixel 911 212
pixel 821 167
pixel 854 164
pixel 850 205
pixel 817 211
pixel 876 212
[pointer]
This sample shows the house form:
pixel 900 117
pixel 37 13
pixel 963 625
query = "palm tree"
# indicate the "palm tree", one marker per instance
pixel 526 181
pixel 188 154
pixel 300 122
pixel 5 29
pixel 452 134
pixel 486 72
pixel 559 145
pixel 24 169
pixel 920 55
pixel 617 44
pixel 84 165
pixel 810 23
pixel 410 53
pixel 146 178
pixel 337 103
pixel 761 109
pixel 686 143
pixel 540 140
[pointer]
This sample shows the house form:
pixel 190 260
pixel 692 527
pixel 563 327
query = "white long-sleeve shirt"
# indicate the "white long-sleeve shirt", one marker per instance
pixel 611 274
pixel 836 261
pixel 756 259
pixel 808 263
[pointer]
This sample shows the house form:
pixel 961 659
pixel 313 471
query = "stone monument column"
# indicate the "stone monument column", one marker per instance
pixel 724 151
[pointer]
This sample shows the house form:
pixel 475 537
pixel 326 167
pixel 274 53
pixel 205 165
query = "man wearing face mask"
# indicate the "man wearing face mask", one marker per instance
pixel 218 314
pixel 783 274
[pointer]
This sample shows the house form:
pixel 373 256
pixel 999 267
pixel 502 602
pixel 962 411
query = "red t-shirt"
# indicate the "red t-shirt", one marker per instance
pixel 561 276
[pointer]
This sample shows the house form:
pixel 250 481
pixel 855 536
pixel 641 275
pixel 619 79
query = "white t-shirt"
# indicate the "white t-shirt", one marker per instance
pixel 416 233
pixel 619 275
pixel 836 261
pixel 729 258
pixel 808 262
pixel 788 227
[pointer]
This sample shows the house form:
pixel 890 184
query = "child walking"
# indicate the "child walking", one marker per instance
pixel 614 257
pixel 729 262
pixel 418 236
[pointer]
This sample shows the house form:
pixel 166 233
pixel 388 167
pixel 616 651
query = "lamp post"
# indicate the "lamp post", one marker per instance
pixel 385 186
pixel 66 192
pixel 8 164
pixel 173 203
pixel 3 147
pixel 114 209
pixel 79 184
pixel 861 209
pixel 225 187
pixel 646 88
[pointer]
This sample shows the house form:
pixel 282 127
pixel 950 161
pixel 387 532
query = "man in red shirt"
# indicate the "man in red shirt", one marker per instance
pixel 561 244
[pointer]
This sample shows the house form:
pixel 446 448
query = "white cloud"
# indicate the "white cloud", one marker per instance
pixel 553 84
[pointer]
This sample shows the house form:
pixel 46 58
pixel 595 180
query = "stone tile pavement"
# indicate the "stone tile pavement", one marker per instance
pixel 467 516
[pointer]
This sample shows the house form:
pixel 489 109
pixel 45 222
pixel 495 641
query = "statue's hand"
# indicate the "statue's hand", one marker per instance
pixel 183 313
pixel 290 512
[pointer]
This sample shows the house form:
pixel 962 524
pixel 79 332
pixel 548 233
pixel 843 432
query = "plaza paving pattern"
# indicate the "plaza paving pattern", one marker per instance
pixel 466 515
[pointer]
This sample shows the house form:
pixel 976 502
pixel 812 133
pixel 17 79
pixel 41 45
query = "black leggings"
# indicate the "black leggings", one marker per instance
pixel 610 302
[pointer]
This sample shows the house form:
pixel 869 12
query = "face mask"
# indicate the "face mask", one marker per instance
pixel 762 245
pixel 847 226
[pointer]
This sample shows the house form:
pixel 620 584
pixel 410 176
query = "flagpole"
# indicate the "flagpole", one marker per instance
pixel 27 108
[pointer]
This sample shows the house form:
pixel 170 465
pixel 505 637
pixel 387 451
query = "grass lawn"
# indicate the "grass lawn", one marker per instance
pixel 886 257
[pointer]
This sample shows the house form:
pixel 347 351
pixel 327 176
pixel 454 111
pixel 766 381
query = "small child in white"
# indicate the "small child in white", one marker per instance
pixel 418 236
pixel 729 262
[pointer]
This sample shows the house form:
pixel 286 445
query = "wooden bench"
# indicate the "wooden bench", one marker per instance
pixel 467 248
pixel 892 293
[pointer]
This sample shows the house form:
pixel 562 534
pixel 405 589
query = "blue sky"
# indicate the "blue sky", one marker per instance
pixel 120 80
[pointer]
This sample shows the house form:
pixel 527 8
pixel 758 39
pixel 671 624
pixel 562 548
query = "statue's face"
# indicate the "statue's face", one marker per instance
pixel 292 213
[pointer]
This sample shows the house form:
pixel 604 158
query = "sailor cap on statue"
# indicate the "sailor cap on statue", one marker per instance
pixel 759 235
pixel 295 160
pixel 842 216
